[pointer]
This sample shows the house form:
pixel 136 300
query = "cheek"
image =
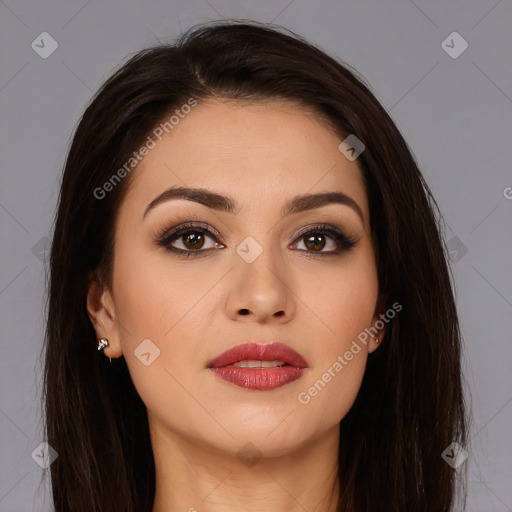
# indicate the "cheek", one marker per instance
pixel 328 396
pixel 340 357
pixel 159 302
pixel 345 305
pixel 153 296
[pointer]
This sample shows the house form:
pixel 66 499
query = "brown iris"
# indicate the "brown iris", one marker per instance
pixel 194 240
pixel 314 242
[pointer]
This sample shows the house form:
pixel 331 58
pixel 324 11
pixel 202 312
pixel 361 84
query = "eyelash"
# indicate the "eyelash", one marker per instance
pixel 165 238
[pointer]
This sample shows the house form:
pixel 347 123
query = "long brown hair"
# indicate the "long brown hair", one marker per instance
pixel 410 406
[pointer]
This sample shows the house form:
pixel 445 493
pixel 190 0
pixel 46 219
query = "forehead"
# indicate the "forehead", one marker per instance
pixel 258 153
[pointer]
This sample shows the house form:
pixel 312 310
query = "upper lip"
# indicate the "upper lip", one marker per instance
pixel 252 351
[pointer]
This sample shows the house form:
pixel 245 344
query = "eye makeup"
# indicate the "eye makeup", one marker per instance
pixel 194 233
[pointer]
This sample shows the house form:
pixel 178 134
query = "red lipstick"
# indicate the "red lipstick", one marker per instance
pixel 259 366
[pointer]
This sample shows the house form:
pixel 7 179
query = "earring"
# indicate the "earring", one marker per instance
pixel 102 343
pixel 376 339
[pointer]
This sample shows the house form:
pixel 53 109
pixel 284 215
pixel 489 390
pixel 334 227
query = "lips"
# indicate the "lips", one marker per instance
pixel 259 352
pixel 259 367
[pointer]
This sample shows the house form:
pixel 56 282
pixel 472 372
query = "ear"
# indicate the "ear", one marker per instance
pixel 101 311
pixel 379 324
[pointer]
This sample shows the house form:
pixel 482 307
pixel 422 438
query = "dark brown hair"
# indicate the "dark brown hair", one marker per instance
pixel 410 406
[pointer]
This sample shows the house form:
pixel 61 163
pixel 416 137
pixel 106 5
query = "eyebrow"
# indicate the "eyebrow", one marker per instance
pixel 227 204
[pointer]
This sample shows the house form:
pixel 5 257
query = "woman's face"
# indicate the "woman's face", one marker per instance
pixel 259 277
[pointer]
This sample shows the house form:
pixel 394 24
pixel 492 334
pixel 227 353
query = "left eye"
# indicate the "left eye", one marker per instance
pixel 316 241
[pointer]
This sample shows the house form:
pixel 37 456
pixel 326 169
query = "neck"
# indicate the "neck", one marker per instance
pixel 191 477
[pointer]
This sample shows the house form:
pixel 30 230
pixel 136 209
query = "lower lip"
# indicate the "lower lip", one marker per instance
pixel 262 379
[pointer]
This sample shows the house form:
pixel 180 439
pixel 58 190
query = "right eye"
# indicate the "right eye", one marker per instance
pixel 192 238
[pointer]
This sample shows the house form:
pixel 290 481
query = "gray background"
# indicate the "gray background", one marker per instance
pixel 455 113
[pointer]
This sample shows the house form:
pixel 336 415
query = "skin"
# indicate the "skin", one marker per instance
pixel 259 154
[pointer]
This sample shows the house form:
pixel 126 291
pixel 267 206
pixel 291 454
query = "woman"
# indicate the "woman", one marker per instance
pixel 244 233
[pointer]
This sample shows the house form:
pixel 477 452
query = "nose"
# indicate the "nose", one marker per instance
pixel 261 291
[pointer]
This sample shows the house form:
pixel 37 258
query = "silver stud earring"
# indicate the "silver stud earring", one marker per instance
pixel 376 339
pixel 102 343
